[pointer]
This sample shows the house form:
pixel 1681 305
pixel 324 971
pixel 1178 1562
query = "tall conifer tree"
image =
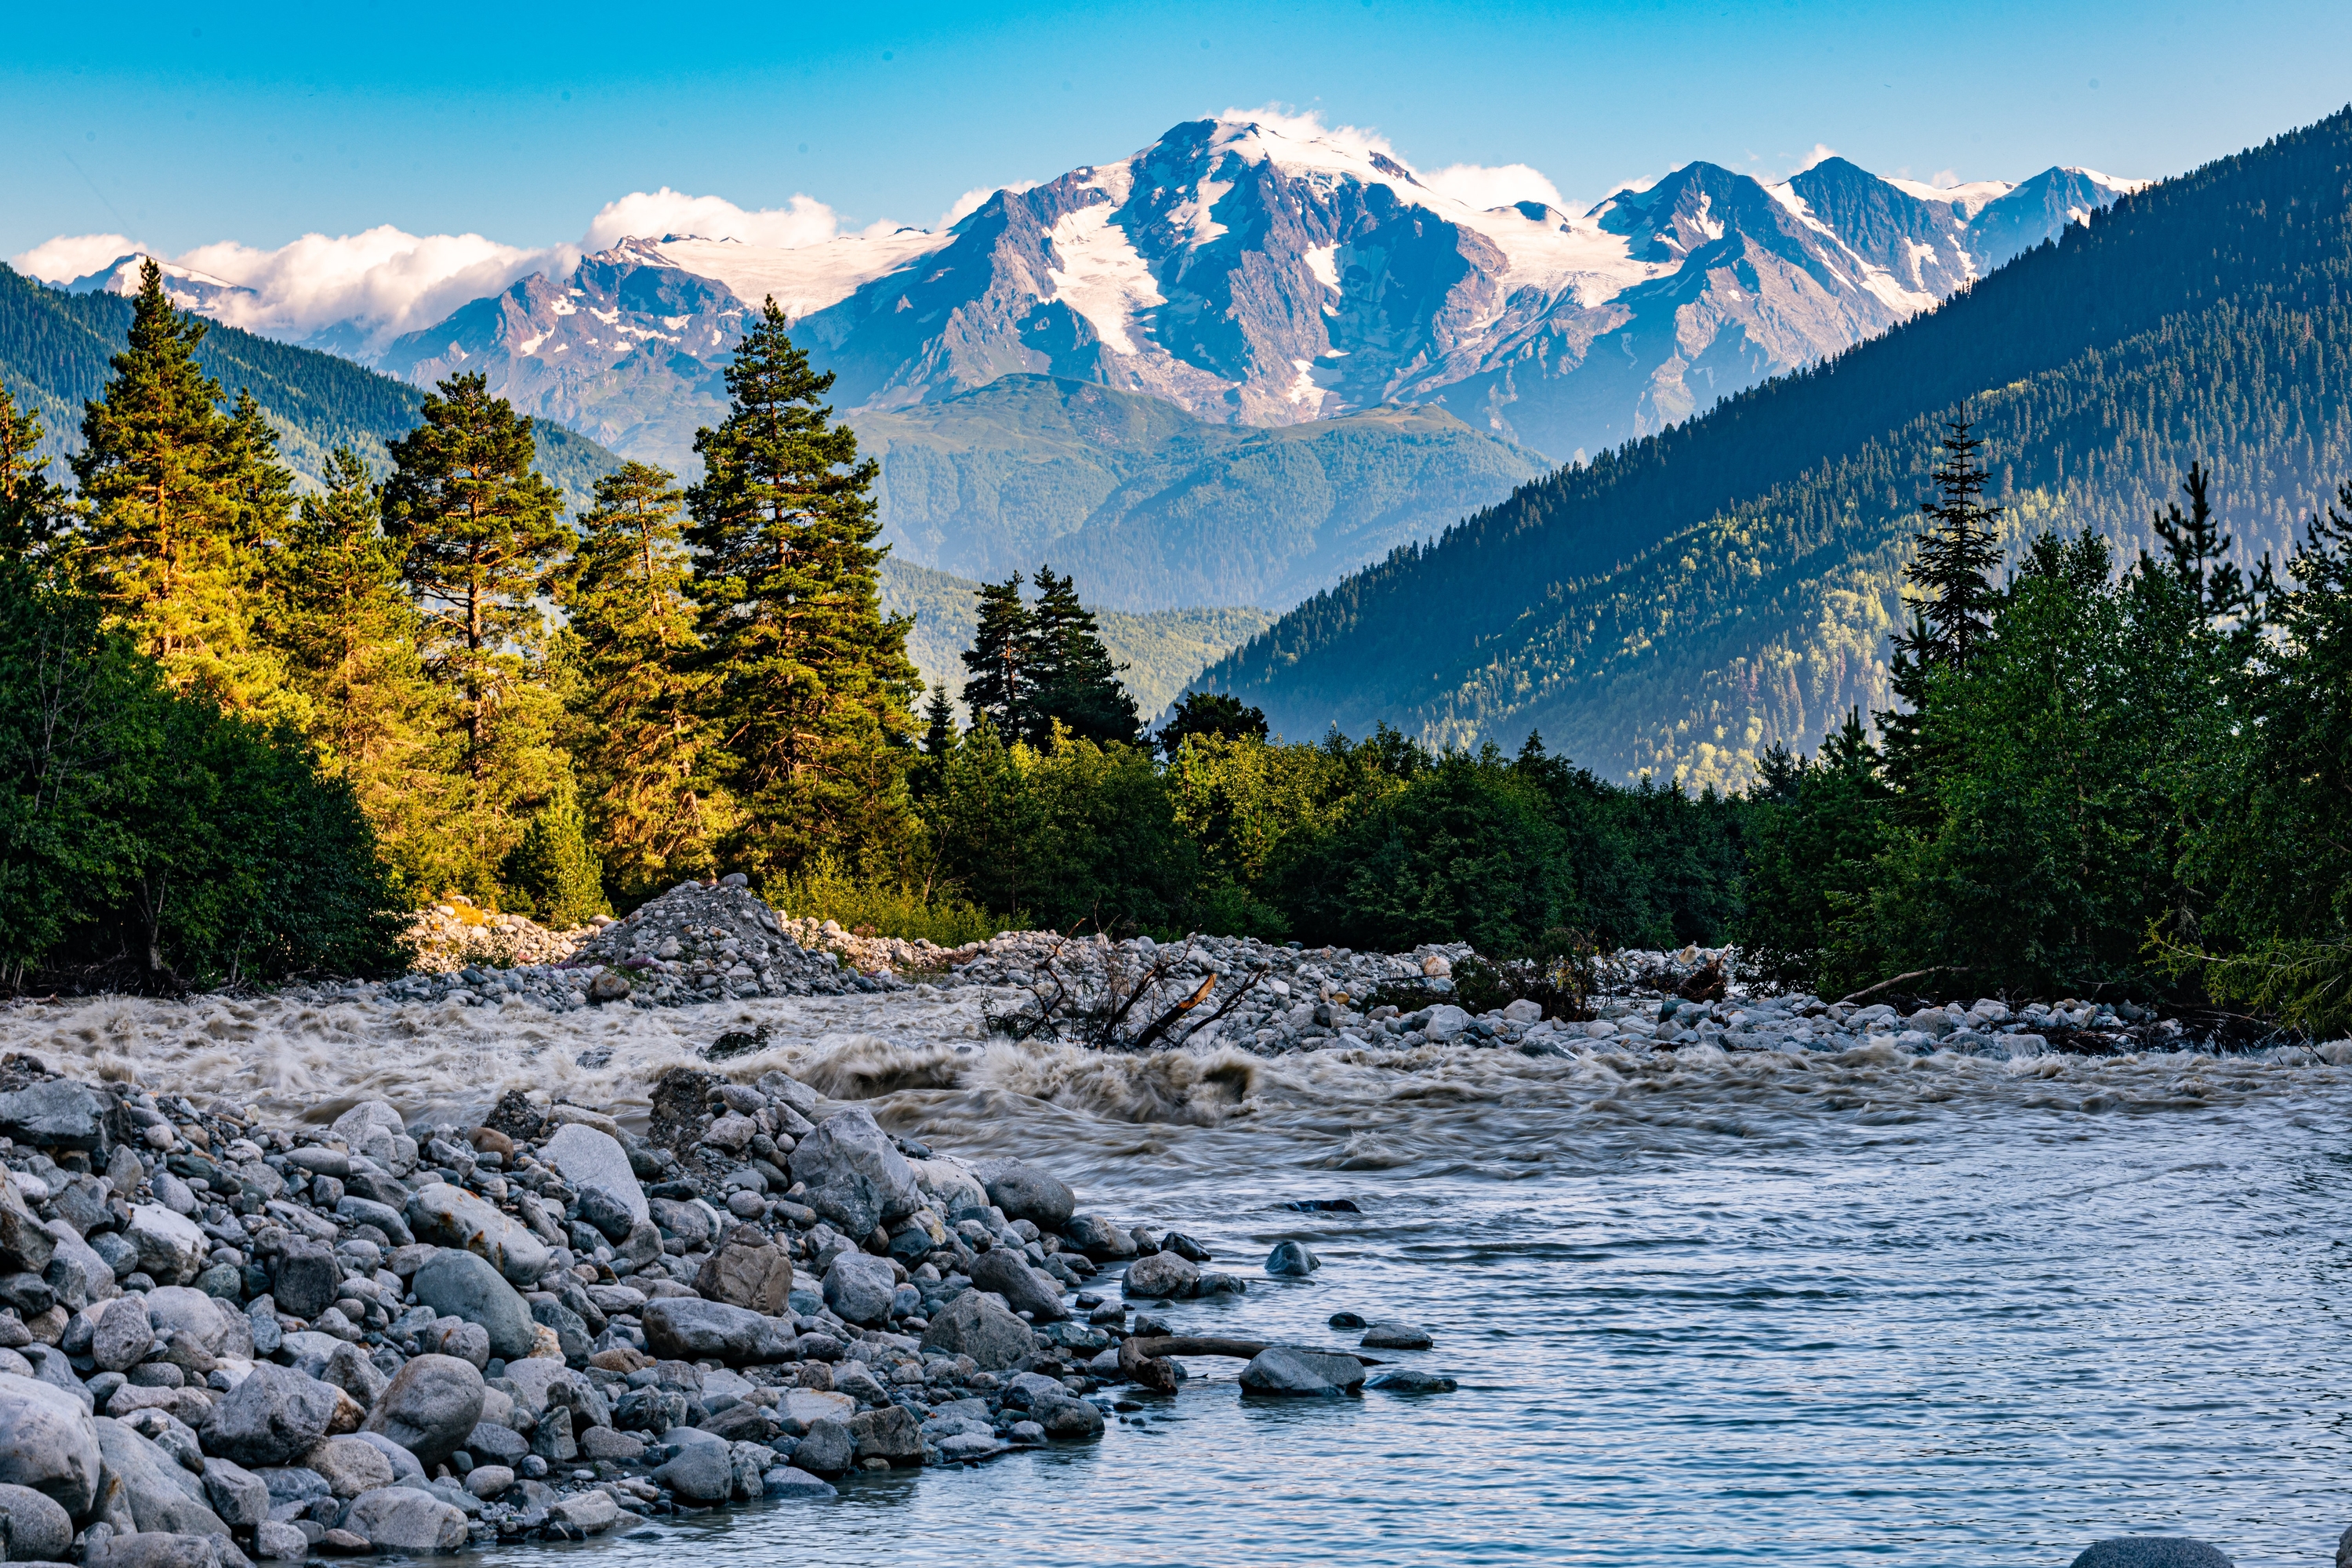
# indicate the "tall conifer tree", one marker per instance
pixel 478 532
pixel 1002 683
pixel 1957 553
pixel 809 681
pixel 630 640
pixel 1076 683
pixel 348 632
pixel 177 495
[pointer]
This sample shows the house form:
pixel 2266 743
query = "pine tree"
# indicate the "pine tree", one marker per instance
pixel 926 775
pixel 2197 552
pixel 631 639
pixel 1957 555
pixel 477 532
pixel 1002 685
pixel 1076 683
pixel 552 874
pixel 177 495
pixel 809 684
pixel 348 632
pixel 32 505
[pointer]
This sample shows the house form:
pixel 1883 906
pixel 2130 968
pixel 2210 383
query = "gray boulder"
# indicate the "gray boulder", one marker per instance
pixel 489 1441
pixel 1163 1275
pixel 1406 1380
pixel 455 1217
pixel 1447 1023
pixel 702 1473
pixel 859 1287
pixel 305 1278
pixel 76 1272
pixel 857 1178
pixel 1284 1370
pixel 1395 1336
pixel 405 1470
pixel 782 1481
pixel 683 1328
pixel 271 1416
pixel 589 1161
pixel 350 1466
pixel 1007 1273
pixel 275 1542
pixel 48 1444
pixel 172 1248
pixel 889 1433
pixel 215 1325
pixel 2151 1552
pixel 160 1494
pixel 124 1334
pixel 827 1449
pixel 461 1284
pixel 235 1493
pixel 372 1130
pixel 747 1270
pixel 980 1325
pixel 55 1113
pixel 33 1527
pixel 1026 1192
pixel 1099 1238
pixel 1292 1260
pixel 429 1407
pixel 404 1519
pixel 25 1242
pixel 155 1549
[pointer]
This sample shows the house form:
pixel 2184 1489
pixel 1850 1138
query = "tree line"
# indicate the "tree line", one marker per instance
pixel 242 731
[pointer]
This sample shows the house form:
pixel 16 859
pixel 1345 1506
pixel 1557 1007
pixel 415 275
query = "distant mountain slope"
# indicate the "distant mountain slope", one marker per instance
pixel 1164 650
pixel 1686 601
pixel 54 350
pixel 1150 507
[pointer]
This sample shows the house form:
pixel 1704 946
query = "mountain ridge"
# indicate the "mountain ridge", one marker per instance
pixel 1682 600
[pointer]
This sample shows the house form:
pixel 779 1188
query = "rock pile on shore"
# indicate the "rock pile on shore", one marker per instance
pixel 221 1341
pixel 454 934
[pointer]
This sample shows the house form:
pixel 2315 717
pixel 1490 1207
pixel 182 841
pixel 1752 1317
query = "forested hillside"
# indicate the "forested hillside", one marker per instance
pixel 1692 599
pixel 55 348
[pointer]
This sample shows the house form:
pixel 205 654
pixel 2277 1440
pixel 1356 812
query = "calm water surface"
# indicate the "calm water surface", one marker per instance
pixel 1873 1313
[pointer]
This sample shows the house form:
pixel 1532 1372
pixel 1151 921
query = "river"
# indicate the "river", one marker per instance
pixel 1864 1309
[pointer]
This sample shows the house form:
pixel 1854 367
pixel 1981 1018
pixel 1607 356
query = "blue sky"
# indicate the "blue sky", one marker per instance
pixel 179 126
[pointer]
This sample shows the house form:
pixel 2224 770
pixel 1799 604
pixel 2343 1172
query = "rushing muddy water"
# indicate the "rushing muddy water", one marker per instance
pixel 1810 1310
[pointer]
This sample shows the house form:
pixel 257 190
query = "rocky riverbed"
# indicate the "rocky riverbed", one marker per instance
pixel 222 1340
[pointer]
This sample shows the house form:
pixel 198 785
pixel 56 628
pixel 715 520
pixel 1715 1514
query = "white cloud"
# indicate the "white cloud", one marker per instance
pixel 1821 149
pixel 1308 126
pixel 382 281
pixel 1479 185
pixel 72 256
pixel 803 220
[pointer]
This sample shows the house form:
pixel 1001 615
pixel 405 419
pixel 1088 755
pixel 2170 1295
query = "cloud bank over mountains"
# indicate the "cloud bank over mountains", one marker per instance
pixel 363 290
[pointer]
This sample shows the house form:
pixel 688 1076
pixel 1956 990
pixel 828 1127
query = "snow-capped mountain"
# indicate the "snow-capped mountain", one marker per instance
pixel 1256 275
pixel 183 285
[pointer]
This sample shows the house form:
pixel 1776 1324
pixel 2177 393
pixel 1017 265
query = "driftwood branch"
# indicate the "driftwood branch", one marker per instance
pixel 1865 994
pixel 1160 1026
